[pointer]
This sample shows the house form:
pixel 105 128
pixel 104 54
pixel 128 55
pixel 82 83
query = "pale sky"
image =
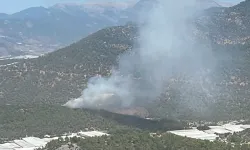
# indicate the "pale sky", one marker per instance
pixel 12 6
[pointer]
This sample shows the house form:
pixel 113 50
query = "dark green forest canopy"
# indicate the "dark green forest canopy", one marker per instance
pixel 39 120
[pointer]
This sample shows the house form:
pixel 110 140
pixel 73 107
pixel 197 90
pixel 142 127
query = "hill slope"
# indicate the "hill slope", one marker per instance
pixel 227 25
pixel 39 120
pixel 66 70
pixel 59 76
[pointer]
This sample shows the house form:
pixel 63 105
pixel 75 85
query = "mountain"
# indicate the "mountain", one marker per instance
pixel 65 70
pixel 143 5
pixel 205 4
pixel 39 30
pixel 3 15
pixel 33 90
pixel 227 25
pixel 136 13
pixel 60 76
pixel 148 4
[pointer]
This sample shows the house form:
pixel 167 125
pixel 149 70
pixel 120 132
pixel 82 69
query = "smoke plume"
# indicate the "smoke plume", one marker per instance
pixel 167 49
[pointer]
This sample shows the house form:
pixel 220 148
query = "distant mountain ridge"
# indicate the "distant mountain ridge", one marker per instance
pixel 39 30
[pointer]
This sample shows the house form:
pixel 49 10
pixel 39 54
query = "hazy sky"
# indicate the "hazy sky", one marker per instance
pixel 11 6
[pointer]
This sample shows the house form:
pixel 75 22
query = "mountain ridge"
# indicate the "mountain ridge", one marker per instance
pixel 39 30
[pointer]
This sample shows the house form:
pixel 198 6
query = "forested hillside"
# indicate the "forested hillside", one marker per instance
pixel 32 91
pixel 62 75
pixel 142 141
pixel 38 120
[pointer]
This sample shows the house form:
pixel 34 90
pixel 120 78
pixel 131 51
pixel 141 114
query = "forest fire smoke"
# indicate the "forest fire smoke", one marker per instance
pixel 166 48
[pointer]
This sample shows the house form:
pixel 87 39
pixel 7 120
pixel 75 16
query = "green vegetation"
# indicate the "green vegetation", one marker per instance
pixel 203 127
pixel 134 140
pixel 239 137
pixel 32 91
pixel 62 75
pixel 39 120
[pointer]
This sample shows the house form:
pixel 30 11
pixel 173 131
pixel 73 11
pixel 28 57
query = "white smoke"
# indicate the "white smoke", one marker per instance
pixel 167 47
